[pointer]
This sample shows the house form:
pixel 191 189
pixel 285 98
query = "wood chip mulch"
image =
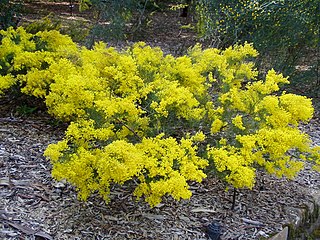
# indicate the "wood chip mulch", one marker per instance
pixel 34 206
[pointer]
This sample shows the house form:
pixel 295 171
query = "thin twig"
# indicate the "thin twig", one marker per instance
pixel 129 128
pixel 141 16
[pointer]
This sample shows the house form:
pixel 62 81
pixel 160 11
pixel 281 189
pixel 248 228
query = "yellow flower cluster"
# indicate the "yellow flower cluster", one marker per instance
pixel 161 165
pixel 26 57
pixel 230 159
pixel 6 82
pixel 250 123
pixel 158 120
pixel 13 43
pixel 237 121
pixel 315 157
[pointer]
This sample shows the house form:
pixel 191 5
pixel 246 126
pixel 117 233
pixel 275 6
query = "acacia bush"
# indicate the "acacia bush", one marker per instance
pixel 25 56
pixel 286 34
pixel 157 121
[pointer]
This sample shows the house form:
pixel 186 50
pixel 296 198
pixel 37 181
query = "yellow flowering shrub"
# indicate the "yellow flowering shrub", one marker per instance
pixel 160 165
pixel 251 123
pixel 6 82
pixel 13 43
pixel 315 157
pixel 157 120
pixel 27 56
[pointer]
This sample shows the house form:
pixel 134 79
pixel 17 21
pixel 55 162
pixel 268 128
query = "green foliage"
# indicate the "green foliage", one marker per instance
pixel 282 31
pixel 9 14
pixel 26 110
pixel 45 24
pixel 78 30
pixel 111 17
pixel 158 121
pixel 268 24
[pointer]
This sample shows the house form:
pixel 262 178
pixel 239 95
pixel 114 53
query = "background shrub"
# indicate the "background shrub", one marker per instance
pixel 286 34
pixel 112 18
pixel 9 13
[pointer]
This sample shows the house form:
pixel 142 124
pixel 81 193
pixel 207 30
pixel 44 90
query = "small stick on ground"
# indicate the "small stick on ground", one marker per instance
pixel 234 199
